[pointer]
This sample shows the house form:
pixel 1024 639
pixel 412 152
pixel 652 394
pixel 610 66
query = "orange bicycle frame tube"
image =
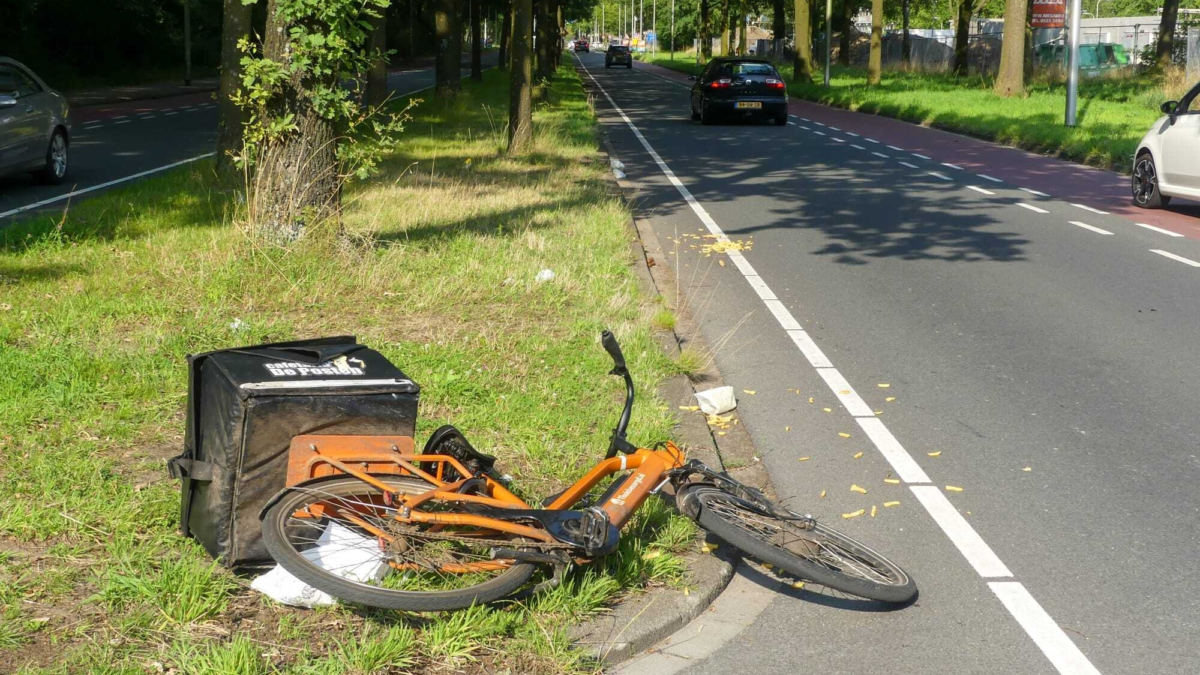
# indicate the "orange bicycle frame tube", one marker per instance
pixel 648 468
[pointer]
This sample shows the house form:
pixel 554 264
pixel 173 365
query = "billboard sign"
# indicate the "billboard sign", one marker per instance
pixel 1049 14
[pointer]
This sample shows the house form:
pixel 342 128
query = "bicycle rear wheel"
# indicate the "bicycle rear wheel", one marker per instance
pixel 819 554
pixel 424 569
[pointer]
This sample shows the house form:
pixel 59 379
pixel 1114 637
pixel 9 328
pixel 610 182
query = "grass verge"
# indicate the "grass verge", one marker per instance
pixel 1114 112
pixel 98 309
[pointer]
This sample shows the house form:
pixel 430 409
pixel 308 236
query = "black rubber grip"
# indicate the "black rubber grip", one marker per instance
pixel 613 349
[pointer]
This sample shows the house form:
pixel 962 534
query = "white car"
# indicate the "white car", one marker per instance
pixel 1167 163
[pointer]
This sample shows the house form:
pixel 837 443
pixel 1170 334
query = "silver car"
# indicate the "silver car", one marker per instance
pixel 35 125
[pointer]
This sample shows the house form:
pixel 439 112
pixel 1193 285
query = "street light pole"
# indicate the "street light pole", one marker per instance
pixel 1073 75
pixel 187 42
pixel 828 32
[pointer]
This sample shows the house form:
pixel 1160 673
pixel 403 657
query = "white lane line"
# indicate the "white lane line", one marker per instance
pixel 1034 192
pixel 952 166
pixel 880 154
pixel 92 125
pixel 819 133
pixel 892 147
pixel 123 122
pixel 170 113
pixel 1088 208
pixel 845 393
pixel 166 110
pixel 1179 258
pixel 851 133
pixel 968 541
pixel 192 109
pixel 857 147
pixel 1088 227
pixel 820 124
pixel 804 127
pixel 103 185
pixel 870 140
pixel 978 553
pixel 1046 634
pixel 911 166
pixel 184 107
pixel 1031 207
pixel 914 154
pixel 987 177
pixel 1159 230
pixel 980 190
pixel 120 117
pixel 902 463
pixel 782 315
pixel 837 139
pixel 805 119
pixel 832 128
pixel 146 117
pixel 939 175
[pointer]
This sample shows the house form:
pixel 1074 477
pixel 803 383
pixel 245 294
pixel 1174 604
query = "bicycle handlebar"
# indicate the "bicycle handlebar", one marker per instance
pixel 618 442
pixel 613 349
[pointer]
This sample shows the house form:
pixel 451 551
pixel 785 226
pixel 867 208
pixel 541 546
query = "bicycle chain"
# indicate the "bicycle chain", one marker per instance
pixel 496 543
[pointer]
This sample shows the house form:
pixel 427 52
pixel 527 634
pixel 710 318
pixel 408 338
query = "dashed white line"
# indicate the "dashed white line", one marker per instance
pixel 170 113
pixel 880 154
pixel 870 140
pixel 805 119
pixel 166 110
pixel 939 175
pixel 192 109
pixel 980 190
pixel 103 185
pixel 123 122
pixel 820 124
pixel 845 393
pixel 1034 192
pixel 892 147
pixel 1042 628
pixel 184 107
pixel 1031 207
pixel 1159 230
pixel 914 154
pixel 987 177
pixel 1088 208
pixel 952 166
pixel 858 147
pixel 146 117
pixel 833 128
pixel 851 133
pixel 911 166
pixel 804 127
pixel 120 117
pixel 837 139
pixel 819 133
pixel 1177 258
pixel 1085 226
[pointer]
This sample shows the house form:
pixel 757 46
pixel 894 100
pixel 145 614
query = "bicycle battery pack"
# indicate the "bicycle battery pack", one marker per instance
pixel 244 407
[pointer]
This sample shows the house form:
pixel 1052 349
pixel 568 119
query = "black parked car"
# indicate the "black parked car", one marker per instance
pixel 739 87
pixel 618 54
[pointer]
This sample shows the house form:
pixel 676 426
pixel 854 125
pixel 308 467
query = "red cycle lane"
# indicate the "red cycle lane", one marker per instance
pixel 1074 183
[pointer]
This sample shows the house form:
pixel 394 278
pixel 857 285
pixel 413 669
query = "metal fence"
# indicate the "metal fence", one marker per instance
pixel 1193 53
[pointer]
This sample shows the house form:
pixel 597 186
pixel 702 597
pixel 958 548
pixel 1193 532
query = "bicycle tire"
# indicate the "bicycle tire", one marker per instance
pixel 277 543
pixel 899 587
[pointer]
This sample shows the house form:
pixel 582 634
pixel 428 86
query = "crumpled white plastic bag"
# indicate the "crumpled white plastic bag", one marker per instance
pixel 339 550
pixel 716 401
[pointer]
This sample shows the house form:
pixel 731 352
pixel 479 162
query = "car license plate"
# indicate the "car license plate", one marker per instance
pixel 748 104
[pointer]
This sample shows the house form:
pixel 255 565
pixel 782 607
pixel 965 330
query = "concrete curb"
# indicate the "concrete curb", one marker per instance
pixel 644 619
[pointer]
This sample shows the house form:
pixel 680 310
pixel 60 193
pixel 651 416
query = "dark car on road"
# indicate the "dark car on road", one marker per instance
pixel 618 55
pixel 582 46
pixel 739 88
pixel 35 125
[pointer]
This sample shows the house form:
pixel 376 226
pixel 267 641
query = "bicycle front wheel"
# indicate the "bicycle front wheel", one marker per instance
pixel 802 547
pixel 328 534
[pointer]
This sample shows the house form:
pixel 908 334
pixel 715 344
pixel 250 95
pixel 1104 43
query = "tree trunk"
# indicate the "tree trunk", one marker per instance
pixel 476 43
pixel 296 183
pixel 725 27
pixel 1010 80
pixel 875 60
pixel 234 25
pixel 1164 52
pixel 1028 40
pixel 377 89
pixel 448 61
pixel 778 30
pixel 520 88
pixel 558 34
pixel 803 62
pixel 541 40
pixel 847 31
pixel 505 33
pixel 905 39
pixel 705 52
pixel 962 38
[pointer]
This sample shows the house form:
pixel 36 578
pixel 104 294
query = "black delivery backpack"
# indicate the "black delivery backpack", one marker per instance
pixel 245 405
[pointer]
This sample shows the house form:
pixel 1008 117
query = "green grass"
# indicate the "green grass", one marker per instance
pixel 1114 112
pixel 98 309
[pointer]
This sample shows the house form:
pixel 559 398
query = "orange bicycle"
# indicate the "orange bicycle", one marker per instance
pixel 447 534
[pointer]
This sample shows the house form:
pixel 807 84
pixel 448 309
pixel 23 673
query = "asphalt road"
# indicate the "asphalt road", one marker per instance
pixel 121 142
pixel 1045 352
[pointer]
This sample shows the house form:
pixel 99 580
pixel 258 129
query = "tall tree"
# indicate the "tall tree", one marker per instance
pixel 847 31
pixel 377 89
pixel 476 43
pixel 1163 52
pixel 1010 80
pixel 541 40
pixel 778 29
pixel 520 86
pixel 725 21
pixel 906 39
pixel 448 55
pixel 803 61
pixel 705 52
pixel 875 60
pixel 962 37
pixel 505 32
pixel 230 118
